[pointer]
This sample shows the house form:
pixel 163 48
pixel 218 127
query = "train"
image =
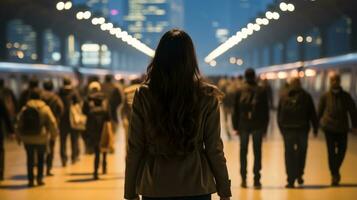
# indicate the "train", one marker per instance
pixel 314 74
pixel 16 75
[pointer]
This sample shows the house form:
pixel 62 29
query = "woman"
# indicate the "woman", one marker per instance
pixel 174 148
pixel 97 115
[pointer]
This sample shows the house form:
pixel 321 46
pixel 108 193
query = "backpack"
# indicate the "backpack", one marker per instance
pixel 248 100
pixel 293 111
pixel 30 121
pixel 77 119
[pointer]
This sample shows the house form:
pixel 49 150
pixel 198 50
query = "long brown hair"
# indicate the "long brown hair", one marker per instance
pixel 174 80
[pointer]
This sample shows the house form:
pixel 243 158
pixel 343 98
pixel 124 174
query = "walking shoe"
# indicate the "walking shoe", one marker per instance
pixel 40 183
pixel 300 181
pixel 257 185
pixel 49 173
pixel 244 184
pixel 31 184
pixel 104 170
pixel 290 185
pixel 96 177
pixel 336 180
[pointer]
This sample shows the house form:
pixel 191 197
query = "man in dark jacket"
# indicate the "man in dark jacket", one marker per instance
pixel 4 120
pixel 114 96
pixel 251 117
pixel 56 105
pixel 69 96
pixel 296 111
pixel 336 108
pixel 9 99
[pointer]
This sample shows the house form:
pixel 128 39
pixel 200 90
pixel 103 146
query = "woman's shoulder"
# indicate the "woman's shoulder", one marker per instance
pixel 211 92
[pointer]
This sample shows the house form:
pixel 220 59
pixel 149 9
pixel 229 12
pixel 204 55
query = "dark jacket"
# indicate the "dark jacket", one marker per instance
pixel 5 119
pixel 259 116
pixel 97 114
pixel 54 102
pixel 68 95
pixel 114 96
pixel 200 172
pixel 335 110
pixel 10 101
pixel 299 114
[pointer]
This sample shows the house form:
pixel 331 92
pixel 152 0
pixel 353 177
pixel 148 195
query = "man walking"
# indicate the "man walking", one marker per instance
pixel 296 111
pixel 336 108
pixel 251 117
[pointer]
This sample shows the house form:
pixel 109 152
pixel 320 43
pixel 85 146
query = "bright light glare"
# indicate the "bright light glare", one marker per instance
pixel 68 5
pixel 309 39
pixel 80 15
pixel 283 6
pixel 265 21
pixel 291 7
pixel 213 63
pixel 95 21
pixel 87 14
pixel 300 39
pixel 60 5
pixel 256 27
pixel 276 15
pixel 232 60
pixel 101 20
pixel 269 15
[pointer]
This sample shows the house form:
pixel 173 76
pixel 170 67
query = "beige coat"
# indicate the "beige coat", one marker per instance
pixel 49 128
pixel 201 172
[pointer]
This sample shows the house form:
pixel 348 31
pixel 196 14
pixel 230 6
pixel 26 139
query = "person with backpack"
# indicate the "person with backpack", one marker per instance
pixel 5 120
pixel 9 99
pixel 251 117
pixel 296 113
pixel 69 96
pixel 336 109
pixel 35 126
pixel 97 115
pixel 33 84
pixel 56 105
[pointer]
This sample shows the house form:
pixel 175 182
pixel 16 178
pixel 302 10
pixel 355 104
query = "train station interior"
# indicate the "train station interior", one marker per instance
pixel 90 44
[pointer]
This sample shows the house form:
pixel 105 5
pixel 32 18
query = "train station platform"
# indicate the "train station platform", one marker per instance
pixel 75 182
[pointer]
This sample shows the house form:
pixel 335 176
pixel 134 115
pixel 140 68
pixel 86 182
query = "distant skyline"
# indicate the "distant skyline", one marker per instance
pixel 209 22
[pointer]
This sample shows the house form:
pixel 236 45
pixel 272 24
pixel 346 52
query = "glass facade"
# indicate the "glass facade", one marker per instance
pixel 21 42
pixel 51 47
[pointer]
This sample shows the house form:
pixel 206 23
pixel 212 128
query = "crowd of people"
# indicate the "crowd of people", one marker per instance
pixel 41 115
pixel 172 125
pixel 247 103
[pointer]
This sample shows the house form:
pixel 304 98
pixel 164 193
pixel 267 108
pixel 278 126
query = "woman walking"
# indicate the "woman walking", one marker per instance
pixel 174 146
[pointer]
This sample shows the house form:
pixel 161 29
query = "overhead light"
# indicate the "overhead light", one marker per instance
pixel 60 5
pixel 101 20
pixel 265 21
pixel 68 5
pixel 276 15
pixel 291 7
pixel 300 39
pixel 87 14
pixel 283 6
pixel 269 15
pixel 256 27
pixel 213 63
pixel 95 21
pixel 80 15
pixel 309 39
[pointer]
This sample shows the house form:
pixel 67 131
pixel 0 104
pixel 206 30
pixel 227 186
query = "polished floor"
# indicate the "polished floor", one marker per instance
pixel 75 181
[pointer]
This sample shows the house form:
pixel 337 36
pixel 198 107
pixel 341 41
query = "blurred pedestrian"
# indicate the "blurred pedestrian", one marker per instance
pixel 174 148
pixel 56 105
pixel 69 96
pixel 97 115
pixel 9 100
pixel 5 120
pixel 114 96
pixel 251 117
pixel 36 124
pixel 33 84
pixel 296 114
pixel 336 109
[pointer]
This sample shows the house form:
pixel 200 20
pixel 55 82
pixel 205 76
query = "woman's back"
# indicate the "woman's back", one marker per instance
pixel 174 146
